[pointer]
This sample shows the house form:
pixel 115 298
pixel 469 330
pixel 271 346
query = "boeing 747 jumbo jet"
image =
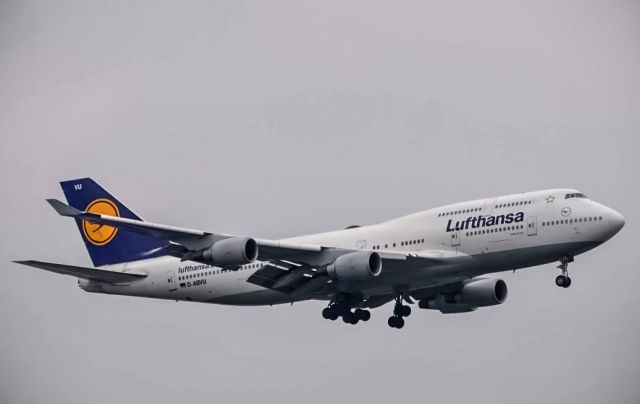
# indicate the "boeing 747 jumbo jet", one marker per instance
pixel 436 257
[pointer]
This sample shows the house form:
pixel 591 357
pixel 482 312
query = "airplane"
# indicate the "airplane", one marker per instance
pixel 437 258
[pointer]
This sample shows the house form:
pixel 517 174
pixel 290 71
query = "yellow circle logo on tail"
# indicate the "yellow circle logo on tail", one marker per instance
pixel 99 234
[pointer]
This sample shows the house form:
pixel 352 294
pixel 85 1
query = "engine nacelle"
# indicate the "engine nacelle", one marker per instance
pixel 232 251
pixel 90 286
pixel 473 294
pixel 356 266
pixel 445 304
pixel 483 292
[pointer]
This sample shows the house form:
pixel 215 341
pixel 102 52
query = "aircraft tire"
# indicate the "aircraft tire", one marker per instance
pixel 405 311
pixel 364 315
pixel 348 317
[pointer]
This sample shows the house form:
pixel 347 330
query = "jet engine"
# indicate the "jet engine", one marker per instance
pixel 232 251
pixel 473 294
pixel 90 286
pixel 356 266
pixel 446 305
pixel 483 292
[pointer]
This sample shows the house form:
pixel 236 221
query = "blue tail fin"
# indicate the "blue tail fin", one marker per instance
pixel 108 245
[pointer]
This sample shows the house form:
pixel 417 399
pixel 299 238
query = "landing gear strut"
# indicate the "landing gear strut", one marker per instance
pixel 399 311
pixel 563 280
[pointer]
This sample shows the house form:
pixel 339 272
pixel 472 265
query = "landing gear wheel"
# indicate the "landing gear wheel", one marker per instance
pixel 561 280
pixel 347 317
pixel 330 313
pixel 402 310
pixel 396 322
pixel 350 317
pixel 363 315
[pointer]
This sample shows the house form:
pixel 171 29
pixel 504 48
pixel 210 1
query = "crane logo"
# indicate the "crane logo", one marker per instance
pixel 96 233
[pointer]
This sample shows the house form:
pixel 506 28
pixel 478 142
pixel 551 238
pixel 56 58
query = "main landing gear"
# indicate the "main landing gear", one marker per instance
pixel 399 311
pixel 563 280
pixel 340 307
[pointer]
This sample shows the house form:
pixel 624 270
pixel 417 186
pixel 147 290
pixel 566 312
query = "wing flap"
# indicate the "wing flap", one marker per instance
pixel 93 274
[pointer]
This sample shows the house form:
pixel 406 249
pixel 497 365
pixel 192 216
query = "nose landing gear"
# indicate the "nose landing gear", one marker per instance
pixel 563 280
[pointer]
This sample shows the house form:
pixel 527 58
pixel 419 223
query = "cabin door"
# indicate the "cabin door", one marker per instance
pixel 455 238
pixel 532 226
pixel 171 281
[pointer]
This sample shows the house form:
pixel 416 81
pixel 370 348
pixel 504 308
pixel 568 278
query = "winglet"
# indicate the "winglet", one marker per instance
pixel 63 209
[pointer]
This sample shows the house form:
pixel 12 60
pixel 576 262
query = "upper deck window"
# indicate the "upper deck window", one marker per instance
pixel 575 195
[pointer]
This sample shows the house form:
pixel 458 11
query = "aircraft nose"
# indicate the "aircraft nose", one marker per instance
pixel 617 221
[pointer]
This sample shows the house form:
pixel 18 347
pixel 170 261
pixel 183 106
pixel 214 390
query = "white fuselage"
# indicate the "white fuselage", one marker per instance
pixel 472 238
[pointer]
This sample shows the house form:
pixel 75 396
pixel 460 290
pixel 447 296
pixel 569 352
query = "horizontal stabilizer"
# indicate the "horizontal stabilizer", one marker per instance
pixel 63 209
pixel 85 273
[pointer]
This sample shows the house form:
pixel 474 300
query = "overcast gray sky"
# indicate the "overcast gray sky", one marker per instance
pixel 273 119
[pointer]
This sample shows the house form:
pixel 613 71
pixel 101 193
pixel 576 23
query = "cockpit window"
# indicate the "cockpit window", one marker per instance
pixel 575 195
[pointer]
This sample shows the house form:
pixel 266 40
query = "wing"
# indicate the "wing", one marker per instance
pixel 85 273
pixel 291 267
